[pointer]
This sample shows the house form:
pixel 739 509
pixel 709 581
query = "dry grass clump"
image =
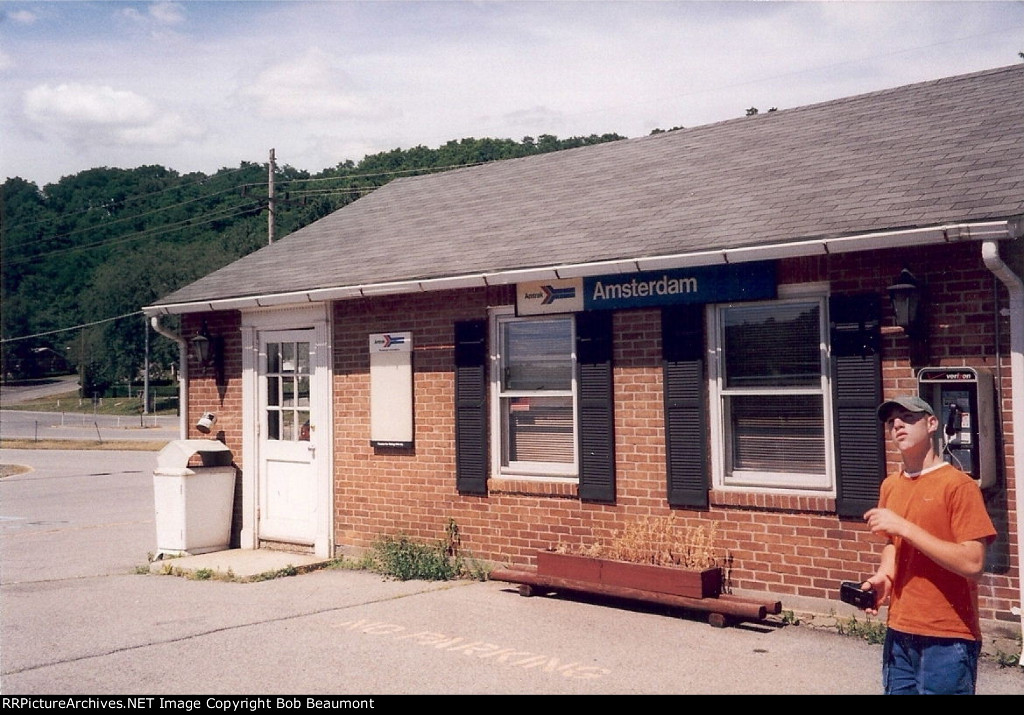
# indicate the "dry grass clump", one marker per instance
pixel 661 542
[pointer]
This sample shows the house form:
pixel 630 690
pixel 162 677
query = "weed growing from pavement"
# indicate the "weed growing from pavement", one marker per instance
pixel 1008 660
pixel 288 570
pixel 401 557
pixel 871 631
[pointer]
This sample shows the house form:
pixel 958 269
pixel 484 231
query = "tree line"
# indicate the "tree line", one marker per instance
pixel 82 256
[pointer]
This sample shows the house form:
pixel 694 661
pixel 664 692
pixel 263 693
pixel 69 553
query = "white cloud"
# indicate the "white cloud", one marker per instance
pixel 23 17
pixel 103 115
pixel 311 87
pixel 82 104
pixel 167 13
pixel 161 13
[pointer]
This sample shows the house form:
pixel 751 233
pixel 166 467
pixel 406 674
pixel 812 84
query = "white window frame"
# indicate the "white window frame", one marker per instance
pixel 529 470
pixel 761 481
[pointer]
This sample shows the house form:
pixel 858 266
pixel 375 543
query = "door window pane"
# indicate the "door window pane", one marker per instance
pixel 288 393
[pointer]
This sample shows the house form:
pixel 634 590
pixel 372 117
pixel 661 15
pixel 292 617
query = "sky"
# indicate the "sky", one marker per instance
pixel 200 86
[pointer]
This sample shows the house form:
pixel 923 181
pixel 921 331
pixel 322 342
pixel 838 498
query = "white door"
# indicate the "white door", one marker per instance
pixel 288 495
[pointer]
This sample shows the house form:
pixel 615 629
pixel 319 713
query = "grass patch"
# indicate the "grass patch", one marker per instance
pixel 9 470
pixel 70 402
pixel 402 558
pixel 123 445
pixel 871 631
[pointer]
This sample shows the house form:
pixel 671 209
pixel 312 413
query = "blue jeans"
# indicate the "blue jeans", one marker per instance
pixel 923 665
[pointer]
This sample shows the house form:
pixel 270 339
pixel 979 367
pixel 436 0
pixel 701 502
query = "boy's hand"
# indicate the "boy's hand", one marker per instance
pixel 885 522
pixel 881 584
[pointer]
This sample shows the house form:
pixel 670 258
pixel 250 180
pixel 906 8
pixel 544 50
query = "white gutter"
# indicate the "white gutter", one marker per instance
pixel 182 374
pixel 948 233
pixel 1013 283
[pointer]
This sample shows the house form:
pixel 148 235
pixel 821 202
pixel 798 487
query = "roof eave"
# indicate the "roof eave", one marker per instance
pixel 947 233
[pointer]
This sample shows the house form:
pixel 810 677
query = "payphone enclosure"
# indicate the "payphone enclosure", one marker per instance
pixel 962 398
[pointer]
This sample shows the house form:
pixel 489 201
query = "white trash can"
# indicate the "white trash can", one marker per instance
pixel 193 504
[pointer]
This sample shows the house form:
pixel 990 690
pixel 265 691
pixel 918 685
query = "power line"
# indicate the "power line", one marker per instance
pixel 73 327
pixel 176 187
pixel 171 228
pixel 134 217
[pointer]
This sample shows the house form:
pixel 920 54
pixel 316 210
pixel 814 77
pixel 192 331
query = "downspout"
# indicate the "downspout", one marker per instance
pixel 1013 283
pixel 182 374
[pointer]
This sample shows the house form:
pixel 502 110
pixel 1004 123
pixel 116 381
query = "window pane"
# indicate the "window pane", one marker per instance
pixel 287 357
pixel 273 357
pixel 273 391
pixel 777 433
pixel 537 355
pixel 302 358
pixel 273 424
pixel 538 429
pixel 772 345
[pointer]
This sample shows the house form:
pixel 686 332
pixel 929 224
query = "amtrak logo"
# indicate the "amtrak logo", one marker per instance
pixel 390 342
pixel 551 294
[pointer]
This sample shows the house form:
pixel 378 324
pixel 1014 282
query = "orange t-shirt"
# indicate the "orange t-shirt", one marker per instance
pixel 926 598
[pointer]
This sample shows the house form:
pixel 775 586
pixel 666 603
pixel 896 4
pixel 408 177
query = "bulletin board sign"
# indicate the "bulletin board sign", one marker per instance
pixel 391 391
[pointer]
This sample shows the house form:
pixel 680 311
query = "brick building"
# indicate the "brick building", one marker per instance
pixel 696 322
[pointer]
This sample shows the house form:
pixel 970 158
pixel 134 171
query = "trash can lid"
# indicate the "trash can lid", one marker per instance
pixel 177 453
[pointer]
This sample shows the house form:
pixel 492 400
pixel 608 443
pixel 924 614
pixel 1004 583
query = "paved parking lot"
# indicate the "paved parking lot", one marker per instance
pixel 83 615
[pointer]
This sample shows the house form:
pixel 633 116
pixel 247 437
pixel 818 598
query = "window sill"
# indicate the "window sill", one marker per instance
pixel 762 501
pixel 561 489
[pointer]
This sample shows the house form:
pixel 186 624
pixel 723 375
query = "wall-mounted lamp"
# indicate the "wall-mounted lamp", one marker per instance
pixel 906 294
pixel 208 351
pixel 202 345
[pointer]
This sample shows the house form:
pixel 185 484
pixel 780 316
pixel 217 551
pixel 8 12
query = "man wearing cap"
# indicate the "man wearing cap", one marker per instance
pixel 934 518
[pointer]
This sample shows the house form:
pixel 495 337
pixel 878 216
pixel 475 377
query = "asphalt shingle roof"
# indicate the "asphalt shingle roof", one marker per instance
pixel 945 151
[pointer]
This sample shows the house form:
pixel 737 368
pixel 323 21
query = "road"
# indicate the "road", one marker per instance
pixel 83 615
pixel 22 424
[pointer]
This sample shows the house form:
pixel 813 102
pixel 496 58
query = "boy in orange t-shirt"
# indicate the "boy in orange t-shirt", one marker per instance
pixel 935 520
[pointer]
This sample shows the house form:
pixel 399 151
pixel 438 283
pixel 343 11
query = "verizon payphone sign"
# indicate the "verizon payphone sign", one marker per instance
pixel 702 284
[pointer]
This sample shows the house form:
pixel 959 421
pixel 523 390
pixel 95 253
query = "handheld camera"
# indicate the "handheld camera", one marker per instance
pixel 851 592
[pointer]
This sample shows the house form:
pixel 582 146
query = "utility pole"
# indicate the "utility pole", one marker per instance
pixel 272 168
pixel 145 369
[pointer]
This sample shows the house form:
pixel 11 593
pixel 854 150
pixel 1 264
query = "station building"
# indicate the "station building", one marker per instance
pixel 699 322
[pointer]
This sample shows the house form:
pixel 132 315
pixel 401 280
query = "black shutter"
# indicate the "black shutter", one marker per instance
pixel 856 369
pixel 682 339
pixel 471 407
pixel 596 417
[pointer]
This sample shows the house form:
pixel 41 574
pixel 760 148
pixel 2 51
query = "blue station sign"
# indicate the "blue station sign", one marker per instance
pixel 702 284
